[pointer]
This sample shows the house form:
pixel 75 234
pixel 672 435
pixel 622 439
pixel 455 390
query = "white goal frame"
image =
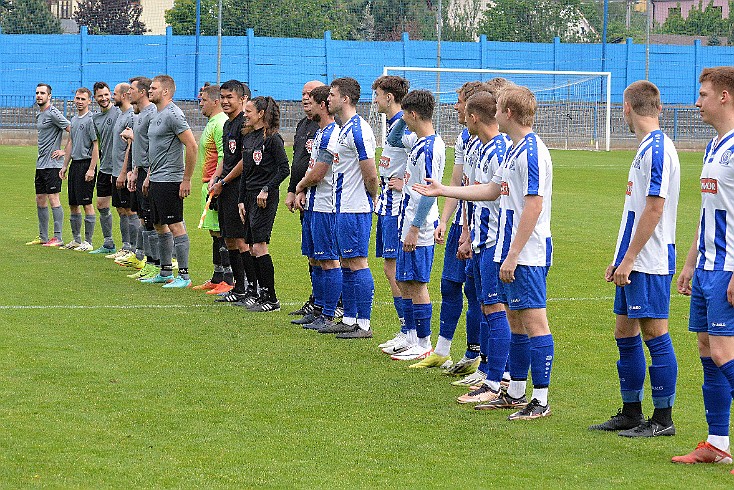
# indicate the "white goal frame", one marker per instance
pixel 605 74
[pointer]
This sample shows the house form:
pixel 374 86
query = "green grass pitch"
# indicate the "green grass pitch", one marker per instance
pixel 105 382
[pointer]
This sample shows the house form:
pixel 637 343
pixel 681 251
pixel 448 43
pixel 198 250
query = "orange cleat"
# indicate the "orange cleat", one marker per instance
pixel 221 287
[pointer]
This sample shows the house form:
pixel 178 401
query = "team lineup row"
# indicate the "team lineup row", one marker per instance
pixel 499 244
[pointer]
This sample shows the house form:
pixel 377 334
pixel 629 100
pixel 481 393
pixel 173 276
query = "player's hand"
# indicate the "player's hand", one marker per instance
pixel 127 134
pixel 300 202
pixel 132 180
pixel 396 184
pixel 62 173
pixel 463 252
pixel 622 273
pixel 184 190
pixel 684 280
pixel 241 207
pixel 439 233
pixel 507 269
pixel 146 186
pixel 57 154
pixel 411 239
pixel 432 189
pixel 262 199
pixel 215 189
pixel 290 201
pixel 730 291
pixel 120 182
pixel 609 273
pixel 89 176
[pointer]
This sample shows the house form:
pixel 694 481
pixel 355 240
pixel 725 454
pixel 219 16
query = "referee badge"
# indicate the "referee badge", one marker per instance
pixel 309 145
pixel 257 155
pixel 232 145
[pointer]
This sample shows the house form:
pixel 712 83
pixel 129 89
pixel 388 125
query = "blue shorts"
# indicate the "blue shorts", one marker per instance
pixel 526 291
pixel 453 268
pixel 306 239
pixel 323 239
pixel 710 311
pixel 387 241
pixel 646 296
pixel 414 266
pixel 353 234
pixel 486 276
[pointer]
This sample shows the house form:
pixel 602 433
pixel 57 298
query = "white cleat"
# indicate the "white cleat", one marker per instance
pixel 398 336
pixel 413 353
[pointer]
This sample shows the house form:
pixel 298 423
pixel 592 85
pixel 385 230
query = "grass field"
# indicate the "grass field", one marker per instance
pixel 106 382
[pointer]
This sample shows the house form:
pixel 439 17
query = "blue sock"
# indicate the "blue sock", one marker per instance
pixel 631 368
pixel 728 371
pixel 483 344
pixel 452 303
pixel 519 356
pixel 498 344
pixel 663 371
pixel 409 316
pixel 541 360
pixel 349 300
pixel 474 319
pixel 317 285
pixel 422 315
pixel 364 292
pixel 331 286
pixel 716 398
pixel 397 301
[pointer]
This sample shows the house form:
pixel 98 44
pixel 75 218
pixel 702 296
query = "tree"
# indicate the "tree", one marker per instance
pixel 701 21
pixel 110 16
pixel 535 21
pixel 28 17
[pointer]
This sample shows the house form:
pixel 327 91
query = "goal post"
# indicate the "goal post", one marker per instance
pixel 574 107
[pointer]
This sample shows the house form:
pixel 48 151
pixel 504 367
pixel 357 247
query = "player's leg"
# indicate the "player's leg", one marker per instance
pixel 319 241
pixel 86 198
pixel 53 189
pixel 386 247
pixel 75 212
pixel 261 225
pixel 41 209
pixel 104 200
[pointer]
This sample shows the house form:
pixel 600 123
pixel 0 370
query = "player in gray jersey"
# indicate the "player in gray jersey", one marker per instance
pixel 103 122
pixel 169 180
pixel 51 125
pixel 83 153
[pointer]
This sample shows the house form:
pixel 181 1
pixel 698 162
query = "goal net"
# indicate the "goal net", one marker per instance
pixel 573 106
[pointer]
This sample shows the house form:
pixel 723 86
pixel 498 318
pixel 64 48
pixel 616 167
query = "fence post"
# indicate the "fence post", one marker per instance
pixel 251 58
pixel 483 51
pixel 327 57
pixel 696 69
pixel 406 38
pixel 556 49
pixel 675 124
pixel 82 53
pixel 628 63
pixel 169 40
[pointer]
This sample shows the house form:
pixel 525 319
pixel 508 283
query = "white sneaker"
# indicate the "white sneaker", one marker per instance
pixel 393 341
pixel 84 247
pixel 399 346
pixel 416 351
pixel 120 253
pixel 70 246
pixel 476 378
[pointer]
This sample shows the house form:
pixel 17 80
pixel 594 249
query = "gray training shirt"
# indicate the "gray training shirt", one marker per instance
pixel 166 151
pixel 103 122
pixel 119 145
pixel 51 124
pixel 83 136
pixel 140 130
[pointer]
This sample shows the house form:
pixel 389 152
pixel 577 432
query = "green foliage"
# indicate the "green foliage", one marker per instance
pixel 617 20
pixel 701 21
pixel 28 17
pixel 110 16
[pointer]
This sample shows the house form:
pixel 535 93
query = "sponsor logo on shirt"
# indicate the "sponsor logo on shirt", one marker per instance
pixel 384 162
pixel 725 158
pixel 636 162
pixel 504 189
pixel 257 156
pixel 336 158
pixel 629 187
pixel 309 145
pixel 709 186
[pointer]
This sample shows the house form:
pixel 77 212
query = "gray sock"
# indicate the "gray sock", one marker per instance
pixel 153 244
pixel 105 220
pixel 125 231
pixel 58 213
pixel 43 223
pixel 89 222
pixel 140 243
pixel 165 249
pixel 182 254
pixel 76 227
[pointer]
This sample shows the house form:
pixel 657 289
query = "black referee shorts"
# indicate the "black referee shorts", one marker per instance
pixel 81 192
pixel 259 221
pixel 230 224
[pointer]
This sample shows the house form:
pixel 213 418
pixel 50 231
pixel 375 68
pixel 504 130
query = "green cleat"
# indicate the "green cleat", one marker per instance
pixel 36 241
pixel 463 367
pixel 179 282
pixel 103 250
pixel 140 273
pixel 434 360
pixel 158 279
pixel 152 272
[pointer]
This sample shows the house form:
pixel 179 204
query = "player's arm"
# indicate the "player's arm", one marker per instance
pixel 686 273
pixel 219 143
pixel 67 159
pixel 369 175
pixel 233 174
pixel 479 192
pixel 421 214
pixel 449 205
pixel 395 138
pixel 187 138
pixel 93 162
pixel 317 173
pixel 464 249
pixel 649 219
pixel 528 219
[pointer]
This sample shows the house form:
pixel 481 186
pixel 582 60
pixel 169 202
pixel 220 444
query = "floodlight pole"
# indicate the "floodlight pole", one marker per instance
pixel 219 43
pixel 196 49
pixel 647 39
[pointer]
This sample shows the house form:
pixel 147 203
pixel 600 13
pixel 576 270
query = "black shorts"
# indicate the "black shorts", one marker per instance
pixel 143 202
pixel 120 197
pixel 104 185
pixel 48 181
pixel 166 207
pixel 259 221
pixel 81 192
pixel 230 223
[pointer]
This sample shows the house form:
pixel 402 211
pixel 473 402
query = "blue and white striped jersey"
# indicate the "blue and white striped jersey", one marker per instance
pixel 320 197
pixel 464 155
pixel 486 213
pixel 356 142
pixel 392 164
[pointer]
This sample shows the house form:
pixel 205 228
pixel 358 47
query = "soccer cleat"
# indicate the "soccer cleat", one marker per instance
pixel 649 428
pixel 230 297
pixel 207 286
pixel 70 246
pixel 303 310
pixel 54 242
pixel 503 401
pixel 36 241
pixel 413 353
pixel 103 251
pixel 264 306
pixel 306 319
pixel 482 394
pixel 338 312
pixel 620 421
pixel 320 322
pixel 84 247
pixel 133 262
pixel 158 279
pixel 338 327
pixel 356 333
pixel 395 339
pixel 142 272
pixel 463 367
pixel 474 379
pixel 178 283
pixel 220 288
pixel 116 255
pixel 124 260
pixel 533 410
pixel 401 346
pixel 152 272
pixel 704 453
pixel 434 360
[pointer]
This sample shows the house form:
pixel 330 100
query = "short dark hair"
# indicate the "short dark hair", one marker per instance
pixel 237 87
pixel 421 102
pixel 83 90
pixel 348 87
pixel 100 86
pixel 391 84
pixel 143 83
pixel 483 105
pixel 212 91
pixel 644 98
pixel 48 87
pixel 320 94
pixel 721 77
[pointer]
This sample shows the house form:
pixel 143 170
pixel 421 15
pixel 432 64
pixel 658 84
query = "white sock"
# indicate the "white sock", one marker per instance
pixel 364 323
pixel 541 394
pixel 348 320
pixel 719 442
pixel 425 342
pixel 412 336
pixel 516 388
pixel 493 385
pixel 443 346
pixel 506 375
